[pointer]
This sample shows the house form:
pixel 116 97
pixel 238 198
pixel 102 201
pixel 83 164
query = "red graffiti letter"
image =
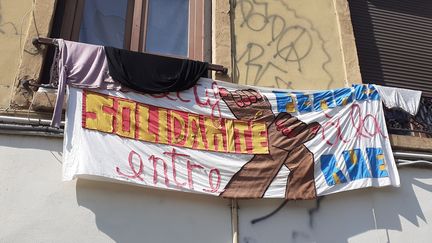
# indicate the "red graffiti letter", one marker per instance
pixel 155 173
pixel 173 154
pixel 136 174
pixel 190 167
pixel 213 188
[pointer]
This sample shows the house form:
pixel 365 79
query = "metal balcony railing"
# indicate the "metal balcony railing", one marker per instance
pixel 401 123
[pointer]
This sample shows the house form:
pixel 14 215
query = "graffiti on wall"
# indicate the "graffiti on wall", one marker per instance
pixel 277 47
pixel 7 27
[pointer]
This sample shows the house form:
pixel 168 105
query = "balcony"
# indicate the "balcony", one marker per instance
pixel 411 132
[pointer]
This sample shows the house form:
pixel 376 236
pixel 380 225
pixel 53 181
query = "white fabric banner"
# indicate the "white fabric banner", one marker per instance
pixel 233 141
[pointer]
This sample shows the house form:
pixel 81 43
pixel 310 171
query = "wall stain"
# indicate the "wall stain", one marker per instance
pixel 300 236
pixel 313 211
pixel 7 27
pixel 249 240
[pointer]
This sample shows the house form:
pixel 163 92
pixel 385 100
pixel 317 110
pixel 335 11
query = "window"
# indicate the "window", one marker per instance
pixel 168 27
pixel 103 22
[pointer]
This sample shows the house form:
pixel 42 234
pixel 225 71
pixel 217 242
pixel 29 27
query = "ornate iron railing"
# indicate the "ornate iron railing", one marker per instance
pixel 402 123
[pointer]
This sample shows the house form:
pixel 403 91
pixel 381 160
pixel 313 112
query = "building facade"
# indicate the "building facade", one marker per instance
pixel 295 44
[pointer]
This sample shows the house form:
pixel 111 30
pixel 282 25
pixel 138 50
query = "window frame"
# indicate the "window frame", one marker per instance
pixel 136 25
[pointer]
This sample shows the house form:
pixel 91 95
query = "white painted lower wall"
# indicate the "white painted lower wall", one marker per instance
pixel 36 206
pixel 401 215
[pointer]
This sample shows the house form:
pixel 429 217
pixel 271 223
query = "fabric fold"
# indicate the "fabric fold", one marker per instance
pixel 82 66
pixel 406 99
pixel 89 66
pixel 151 73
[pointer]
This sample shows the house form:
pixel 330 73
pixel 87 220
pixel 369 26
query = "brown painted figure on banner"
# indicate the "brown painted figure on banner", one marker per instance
pixel 286 138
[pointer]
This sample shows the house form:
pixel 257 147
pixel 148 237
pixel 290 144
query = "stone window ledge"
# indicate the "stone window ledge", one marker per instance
pixel 401 142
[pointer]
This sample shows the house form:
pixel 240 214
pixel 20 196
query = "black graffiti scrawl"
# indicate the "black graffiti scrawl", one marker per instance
pixel 285 43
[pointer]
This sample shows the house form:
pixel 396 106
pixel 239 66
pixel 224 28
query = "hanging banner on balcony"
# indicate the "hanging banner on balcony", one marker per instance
pixel 232 141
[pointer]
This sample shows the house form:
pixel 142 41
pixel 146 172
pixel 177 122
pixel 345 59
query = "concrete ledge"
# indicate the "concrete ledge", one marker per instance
pixel 44 100
pixel 400 142
pixel 26 114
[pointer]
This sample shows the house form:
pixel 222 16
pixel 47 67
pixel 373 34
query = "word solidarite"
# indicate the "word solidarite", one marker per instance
pixel 130 119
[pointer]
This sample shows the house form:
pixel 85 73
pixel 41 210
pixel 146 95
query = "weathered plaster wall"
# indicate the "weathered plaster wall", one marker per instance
pixel 347 39
pixel 395 215
pixel 292 44
pixel 14 19
pixel 221 37
pixel 36 206
pixel 32 57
